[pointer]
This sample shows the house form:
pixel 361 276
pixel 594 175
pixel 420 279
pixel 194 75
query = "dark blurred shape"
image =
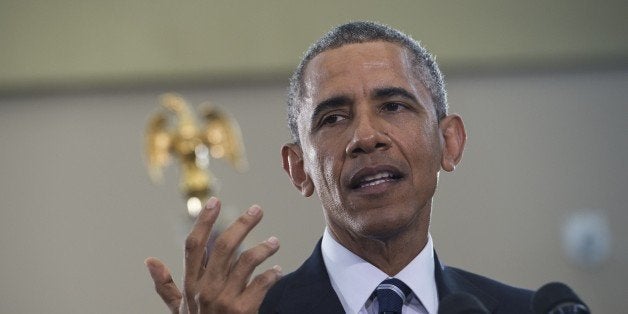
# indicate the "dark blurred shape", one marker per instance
pixel 555 298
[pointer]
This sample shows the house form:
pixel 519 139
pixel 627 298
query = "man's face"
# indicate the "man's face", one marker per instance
pixel 370 140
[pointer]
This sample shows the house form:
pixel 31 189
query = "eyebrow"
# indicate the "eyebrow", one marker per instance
pixel 388 92
pixel 329 104
pixel 342 100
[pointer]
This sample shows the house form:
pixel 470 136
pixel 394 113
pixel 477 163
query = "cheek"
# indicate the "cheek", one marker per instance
pixel 330 177
pixel 324 157
pixel 329 167
pixel 423 151
pixel 323 168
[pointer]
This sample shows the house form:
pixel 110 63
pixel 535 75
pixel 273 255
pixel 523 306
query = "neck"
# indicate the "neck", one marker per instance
pixel 390 252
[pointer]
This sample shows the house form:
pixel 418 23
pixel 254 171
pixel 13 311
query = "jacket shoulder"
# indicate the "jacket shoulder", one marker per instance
pixel 306 290
pixel 275 293
pixel 509 299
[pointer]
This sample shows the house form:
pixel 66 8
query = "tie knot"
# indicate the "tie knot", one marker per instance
pixel 391 295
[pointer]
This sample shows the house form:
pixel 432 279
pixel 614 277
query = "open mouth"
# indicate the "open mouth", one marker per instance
pixel 370 177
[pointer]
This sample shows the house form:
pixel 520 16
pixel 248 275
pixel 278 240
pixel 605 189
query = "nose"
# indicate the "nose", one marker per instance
pixel 368 136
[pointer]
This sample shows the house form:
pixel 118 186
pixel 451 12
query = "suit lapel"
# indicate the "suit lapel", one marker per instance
pixel 311 290
pixel 449 282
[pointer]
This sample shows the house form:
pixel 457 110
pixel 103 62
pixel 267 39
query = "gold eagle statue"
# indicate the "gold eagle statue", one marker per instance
pixel 174 131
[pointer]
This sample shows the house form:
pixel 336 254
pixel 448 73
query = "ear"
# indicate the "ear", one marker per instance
pixel 454 136
pixel 292 156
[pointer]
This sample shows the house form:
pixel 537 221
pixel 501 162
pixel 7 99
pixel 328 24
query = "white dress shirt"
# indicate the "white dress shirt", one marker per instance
pixel 354 279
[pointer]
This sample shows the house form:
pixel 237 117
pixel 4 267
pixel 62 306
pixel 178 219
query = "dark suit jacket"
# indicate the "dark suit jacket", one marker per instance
pixel 309 290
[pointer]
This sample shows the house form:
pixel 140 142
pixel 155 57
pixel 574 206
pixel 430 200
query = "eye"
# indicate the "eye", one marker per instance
pixel 331 119
pixel 393 106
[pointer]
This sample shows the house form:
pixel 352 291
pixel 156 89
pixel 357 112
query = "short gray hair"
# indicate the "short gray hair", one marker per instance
pixel 426 68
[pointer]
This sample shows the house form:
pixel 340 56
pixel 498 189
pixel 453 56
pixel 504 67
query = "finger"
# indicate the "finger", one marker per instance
pixel 195 244
pixel 205 257
pixel 227 243
pixel 254 294
pixel 195 249
pixel 183 308
pixel 164 285
pixel 246 264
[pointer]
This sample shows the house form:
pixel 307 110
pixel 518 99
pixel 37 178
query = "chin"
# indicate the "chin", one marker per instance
pixel 382 229
pixel 389 224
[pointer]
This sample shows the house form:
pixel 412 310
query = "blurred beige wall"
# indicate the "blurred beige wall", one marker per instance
pixel 79 214
pixel 541 87
pixel 87 43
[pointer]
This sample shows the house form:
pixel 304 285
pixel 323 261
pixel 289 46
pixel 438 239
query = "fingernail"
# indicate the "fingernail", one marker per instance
pixel 254 210
pixel 211 203
pixel 273 241
pixel 277 268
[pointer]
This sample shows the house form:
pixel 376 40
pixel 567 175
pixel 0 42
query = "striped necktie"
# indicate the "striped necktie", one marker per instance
pixel 391 295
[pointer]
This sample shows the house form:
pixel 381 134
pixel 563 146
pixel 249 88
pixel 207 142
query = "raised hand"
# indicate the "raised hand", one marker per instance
pixel 221 281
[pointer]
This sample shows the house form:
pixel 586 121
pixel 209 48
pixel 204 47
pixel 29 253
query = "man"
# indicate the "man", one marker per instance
pixel 368 114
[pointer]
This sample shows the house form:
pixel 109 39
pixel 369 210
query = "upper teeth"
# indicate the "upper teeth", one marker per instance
pixel 378 176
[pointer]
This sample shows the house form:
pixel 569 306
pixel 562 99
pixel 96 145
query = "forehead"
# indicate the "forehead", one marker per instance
pixel 354 67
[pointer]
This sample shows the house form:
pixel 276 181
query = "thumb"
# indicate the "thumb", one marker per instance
pixel 164 285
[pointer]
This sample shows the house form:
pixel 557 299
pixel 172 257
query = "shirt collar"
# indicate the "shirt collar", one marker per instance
pixel 419 276
pixel 354 279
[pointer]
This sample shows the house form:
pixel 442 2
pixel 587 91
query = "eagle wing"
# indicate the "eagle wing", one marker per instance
pixel 158 142
pixel 221 133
